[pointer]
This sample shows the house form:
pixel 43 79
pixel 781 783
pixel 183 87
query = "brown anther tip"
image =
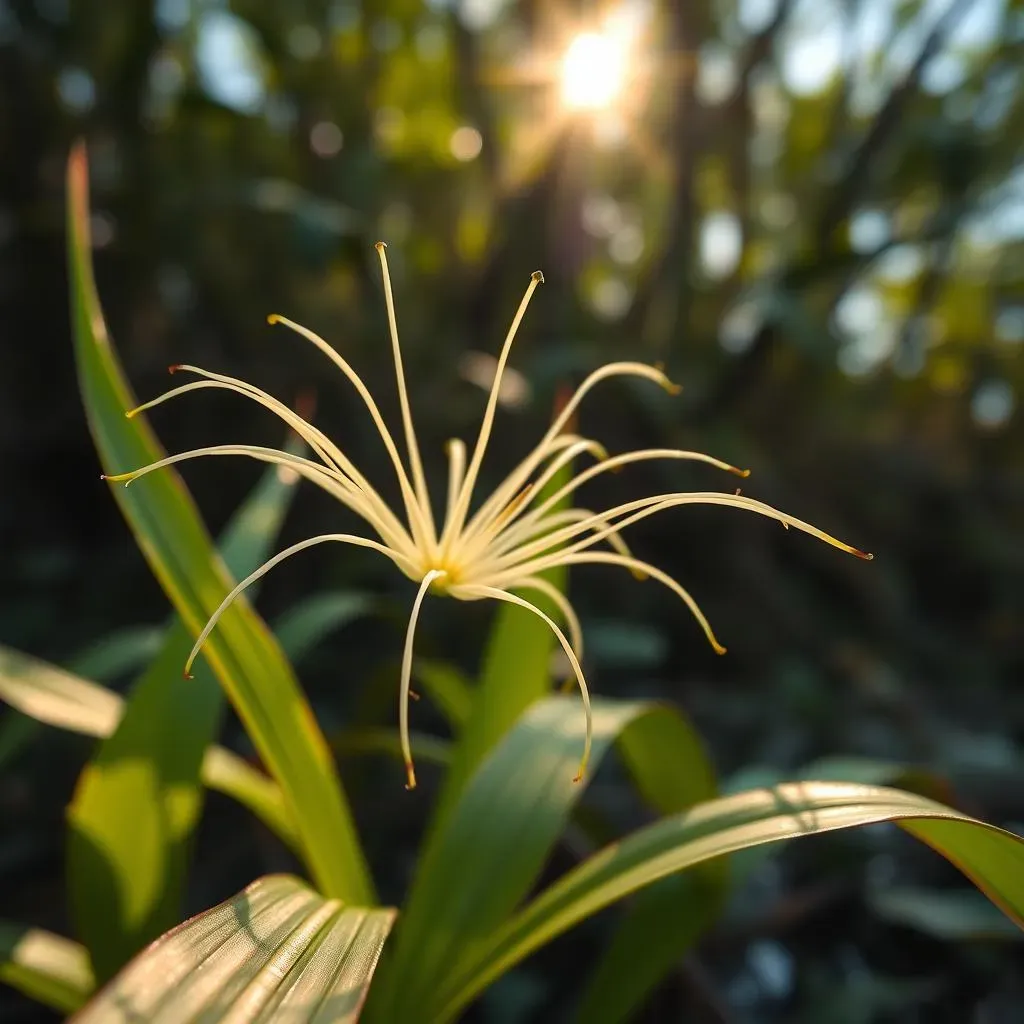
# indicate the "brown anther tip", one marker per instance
pixel 174 368
pixel 410 777
pixel 672 388
pixel 866 555
pixel 414 695
pixel 578 777
pixel 740 472
pixel 380 246
pixel 538 276
pixel 187 675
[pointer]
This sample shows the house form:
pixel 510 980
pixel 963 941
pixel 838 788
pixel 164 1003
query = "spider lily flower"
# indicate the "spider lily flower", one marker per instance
pixel 497 549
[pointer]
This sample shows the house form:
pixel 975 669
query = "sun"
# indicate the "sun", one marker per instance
pixel 594 71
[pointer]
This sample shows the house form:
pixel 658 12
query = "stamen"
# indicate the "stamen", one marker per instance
pixel 403 696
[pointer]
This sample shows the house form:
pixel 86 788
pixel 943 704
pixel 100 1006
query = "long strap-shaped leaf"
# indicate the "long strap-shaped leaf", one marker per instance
pixel 991 857
pixel 275 952
pixel 482 862
pixel 243 654
pixel 140 796
pixel 44 966
pixel 54 696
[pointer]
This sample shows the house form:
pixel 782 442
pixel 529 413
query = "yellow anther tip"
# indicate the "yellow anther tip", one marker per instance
pixel 740 472
pixel 130 414
pixel 410 777
pixel 719 649
pixel 577 778
pixel 274 318
pixel 639 576
pixel 538 276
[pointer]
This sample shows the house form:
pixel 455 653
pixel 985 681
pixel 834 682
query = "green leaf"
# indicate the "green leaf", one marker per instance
pixel 991 857
pixel 670 769
pixel 139 798
pixel 241 652
pixel 277 951
pixel 482 862
pixel 46 967
pixel 516 672
pixel 50 695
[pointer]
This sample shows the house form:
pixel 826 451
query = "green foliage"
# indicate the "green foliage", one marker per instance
pixel 244 657
pixel 47 967
pixel 140 797
pixel 276 951
pixel 861 352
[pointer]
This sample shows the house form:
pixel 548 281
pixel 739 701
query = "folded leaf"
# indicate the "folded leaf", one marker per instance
pixel 275 952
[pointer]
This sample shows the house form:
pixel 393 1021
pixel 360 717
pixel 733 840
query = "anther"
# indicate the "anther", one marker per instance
pixel 174 368
pixel 274 318
pixel 410 773
pixel 380 246
pixel 538 276
pixel 740 472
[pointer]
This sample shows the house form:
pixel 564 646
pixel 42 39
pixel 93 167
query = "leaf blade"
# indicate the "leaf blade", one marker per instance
pixel 991 857
pixel 139 797
pixel 46 967
pixel 241 652
pixel 277 950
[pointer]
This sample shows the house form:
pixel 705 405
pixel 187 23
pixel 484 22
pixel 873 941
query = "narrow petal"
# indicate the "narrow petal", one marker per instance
pixel 561 602
pixel 343 538
pixel 333 457
pixel 456 471
pixel 504 595
pixel 458 517
pixel 309 470
pixel 403 696
pixel 415 462
pixel 515 480
pixel 493 516
pixel 413 511
pixel 616 462
pixel 530 554
pixel 506 543
pixel 645 569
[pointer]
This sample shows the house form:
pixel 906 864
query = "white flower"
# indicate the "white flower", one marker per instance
pixel 497 549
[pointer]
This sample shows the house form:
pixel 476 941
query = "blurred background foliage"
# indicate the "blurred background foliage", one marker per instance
pixel 812 211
